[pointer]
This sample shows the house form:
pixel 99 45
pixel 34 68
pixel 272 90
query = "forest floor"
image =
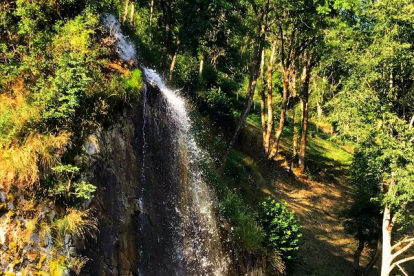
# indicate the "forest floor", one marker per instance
pixel 320 198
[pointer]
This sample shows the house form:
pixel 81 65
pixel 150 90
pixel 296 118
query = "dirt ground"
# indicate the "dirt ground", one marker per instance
pixel 326 249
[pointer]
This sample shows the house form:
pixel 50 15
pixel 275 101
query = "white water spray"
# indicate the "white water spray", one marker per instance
pixel 124 48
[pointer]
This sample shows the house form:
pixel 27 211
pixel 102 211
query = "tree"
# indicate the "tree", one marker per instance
pixel 304 99
pixel 261 27
pixel 373 69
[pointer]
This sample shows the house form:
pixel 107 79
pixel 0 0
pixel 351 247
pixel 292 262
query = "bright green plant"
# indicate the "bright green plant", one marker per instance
pixel 65 187
pixel 281 227
pixel 134 82
pixel 84 190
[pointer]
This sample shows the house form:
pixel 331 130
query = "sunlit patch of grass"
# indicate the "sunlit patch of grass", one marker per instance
pixel 322 149
pixel 20 163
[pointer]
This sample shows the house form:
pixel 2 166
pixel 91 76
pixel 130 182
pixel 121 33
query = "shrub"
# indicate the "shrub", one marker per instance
pixel 281 227
pixel 246 228
pixel 135 83
pixel 218 103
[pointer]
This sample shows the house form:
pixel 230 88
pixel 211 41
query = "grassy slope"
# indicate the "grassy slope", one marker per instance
pixel 319 199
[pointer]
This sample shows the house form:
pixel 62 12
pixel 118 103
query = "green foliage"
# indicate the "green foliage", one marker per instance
pixel 135 83
pixel 281 227
pixel 63 184
pixel 84 190
pixel 246 229
pixel 217 104
pixel 370 101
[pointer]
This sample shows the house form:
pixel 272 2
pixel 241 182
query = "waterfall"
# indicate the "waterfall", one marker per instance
pixel 178 229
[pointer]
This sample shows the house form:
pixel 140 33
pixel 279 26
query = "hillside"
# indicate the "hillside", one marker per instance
pixel 320 198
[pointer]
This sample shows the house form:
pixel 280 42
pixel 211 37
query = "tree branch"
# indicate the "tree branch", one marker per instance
pixel 402 270
pixel 400 262
pixel 401 242
pixel 402 250
pixel 292 38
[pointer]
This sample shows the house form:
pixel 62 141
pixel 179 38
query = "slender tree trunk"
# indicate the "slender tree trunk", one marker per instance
pixel 254 72
pixel 151 12
pixel 295 119
pixel 319 111
pixel 305 111
pixel 125 11
pixel 270 97
pixel 131 21
pixel 387 225
pixel 201 65
pixel 358 252
pixel 304 134
pixel 173 62
pixel 263 101
pixel 278 135
pixel 250 94
pixel 376 257
pixel 386 241
pixel 167 36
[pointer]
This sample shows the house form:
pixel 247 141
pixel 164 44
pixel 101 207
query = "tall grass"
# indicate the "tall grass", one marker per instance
pixel 21 163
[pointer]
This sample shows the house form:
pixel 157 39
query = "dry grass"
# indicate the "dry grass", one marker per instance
pixel 20 164
pixel 76 264
pixel 15 112
pixel 76 223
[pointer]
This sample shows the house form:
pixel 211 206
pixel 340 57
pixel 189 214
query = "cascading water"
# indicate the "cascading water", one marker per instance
pixel 178 230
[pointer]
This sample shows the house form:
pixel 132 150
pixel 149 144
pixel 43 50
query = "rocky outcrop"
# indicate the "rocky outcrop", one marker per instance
pixel 135 238
pixel 115 170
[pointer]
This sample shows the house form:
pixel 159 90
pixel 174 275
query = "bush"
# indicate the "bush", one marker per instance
pixel 281 227
pixel 135 83
pixel 218 104
pixel 246 229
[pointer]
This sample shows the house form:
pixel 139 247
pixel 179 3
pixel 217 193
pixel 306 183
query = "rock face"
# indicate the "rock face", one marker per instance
pixel 115 171
pixel 136 175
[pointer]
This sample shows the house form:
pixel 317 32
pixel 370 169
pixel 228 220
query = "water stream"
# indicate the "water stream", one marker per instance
pixel 178 228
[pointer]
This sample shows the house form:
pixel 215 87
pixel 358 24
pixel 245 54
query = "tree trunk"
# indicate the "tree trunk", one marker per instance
pixel 250 94
pixel 387 226
pixel 319 111
pixel 304 134
pixel 201 65
pixel 386 242
pixel 126 11
pixel 374 259
pixel 151 12
pixel 295 119
pixel 278 135
pixel 254 72
pixel 319 108
pixel 167 35
pixel 131 21
pixel 270 97
pixel 263 101
pixel 305 111
pixel 358 252
pixel 173 62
